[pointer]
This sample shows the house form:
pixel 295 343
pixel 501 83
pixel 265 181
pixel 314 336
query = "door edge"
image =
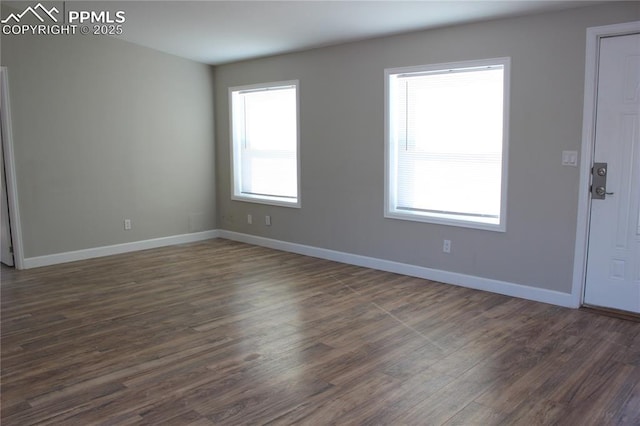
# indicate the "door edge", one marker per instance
pixel 10 172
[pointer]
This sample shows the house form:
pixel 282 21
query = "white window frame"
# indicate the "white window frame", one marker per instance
pixel 390 210
pixel 236 149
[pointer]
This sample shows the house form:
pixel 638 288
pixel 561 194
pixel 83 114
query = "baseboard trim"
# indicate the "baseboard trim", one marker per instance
pixel 72 256
pixel 463 280
pixel 468 281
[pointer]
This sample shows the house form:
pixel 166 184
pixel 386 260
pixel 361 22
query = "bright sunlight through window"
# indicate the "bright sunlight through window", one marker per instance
pixel 264 125
pixel 446 148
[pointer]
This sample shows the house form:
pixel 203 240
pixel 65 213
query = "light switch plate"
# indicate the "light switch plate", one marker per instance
pixel 570 158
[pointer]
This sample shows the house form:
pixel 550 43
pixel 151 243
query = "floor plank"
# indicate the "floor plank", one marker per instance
pixel 225 333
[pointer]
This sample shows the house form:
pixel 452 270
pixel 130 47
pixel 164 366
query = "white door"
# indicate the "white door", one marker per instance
pixel 613 258
pixel 6 250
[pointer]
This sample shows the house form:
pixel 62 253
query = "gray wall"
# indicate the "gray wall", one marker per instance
pixel 342 147
pixel 105 130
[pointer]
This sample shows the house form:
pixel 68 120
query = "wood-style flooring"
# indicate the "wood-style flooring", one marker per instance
pixel 225 333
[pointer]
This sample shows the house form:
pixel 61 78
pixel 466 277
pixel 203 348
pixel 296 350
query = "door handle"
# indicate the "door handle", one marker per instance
pixel 599 174
pixel 601 190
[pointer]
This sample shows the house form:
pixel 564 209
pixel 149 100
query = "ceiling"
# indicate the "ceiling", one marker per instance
pixel 217 32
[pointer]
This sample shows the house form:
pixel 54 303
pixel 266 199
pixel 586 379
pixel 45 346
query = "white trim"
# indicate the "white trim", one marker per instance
pixel 468 281
pixel 594 35
pixel 478 283
pixel 10 173
pixel 72 256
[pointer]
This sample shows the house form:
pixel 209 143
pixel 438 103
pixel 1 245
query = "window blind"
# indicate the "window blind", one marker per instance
pixel 448 128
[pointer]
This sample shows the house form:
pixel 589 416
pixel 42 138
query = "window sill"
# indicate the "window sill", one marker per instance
pixel 269 200
pixel 486 224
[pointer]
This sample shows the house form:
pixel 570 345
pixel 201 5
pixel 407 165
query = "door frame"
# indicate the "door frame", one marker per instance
pixel 10 172
pixel 592 55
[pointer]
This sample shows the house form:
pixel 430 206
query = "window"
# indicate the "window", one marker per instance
pixel 264 128
pixel 446 143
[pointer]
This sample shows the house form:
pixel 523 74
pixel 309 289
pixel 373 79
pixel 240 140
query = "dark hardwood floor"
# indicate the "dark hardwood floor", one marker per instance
pixel 224 333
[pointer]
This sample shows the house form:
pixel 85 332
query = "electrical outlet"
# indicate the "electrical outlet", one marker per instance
pixel 446 246
pixel 249 219
pixel 127 224
pixel 267 220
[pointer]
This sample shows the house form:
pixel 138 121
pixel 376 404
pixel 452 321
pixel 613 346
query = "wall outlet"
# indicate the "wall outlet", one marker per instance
pixel 127 224
pixel 267 220
pixel 446 246
pixel 249 219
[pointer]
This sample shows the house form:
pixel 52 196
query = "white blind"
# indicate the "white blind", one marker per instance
pixel 448 141
pixel 269 142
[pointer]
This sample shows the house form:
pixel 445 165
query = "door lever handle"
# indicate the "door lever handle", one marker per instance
pixel 600 190
pixel 599 174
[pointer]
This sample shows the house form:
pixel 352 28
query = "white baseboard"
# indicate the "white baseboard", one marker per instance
pixel 72 256
pixel 469 281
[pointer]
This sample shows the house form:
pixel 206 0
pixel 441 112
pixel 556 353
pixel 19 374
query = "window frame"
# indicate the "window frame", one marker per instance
pixel 236 149
pixel 391 172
